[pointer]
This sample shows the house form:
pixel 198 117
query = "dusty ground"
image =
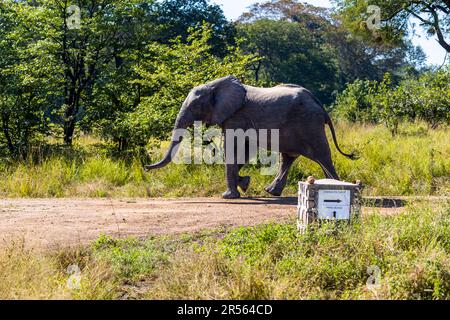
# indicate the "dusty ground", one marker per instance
pixel 49 223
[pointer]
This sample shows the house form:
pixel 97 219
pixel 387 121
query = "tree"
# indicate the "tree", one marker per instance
pixel 310 46
pixel 81 51
pixel 431 97
pixel 112 94
pixel 433 15
pixel 289 55
pixel 359 60
pixel 309 16
pixel 355 103
pixel 79 73
pixel 27 78
pixel 84 52
pixel 176 17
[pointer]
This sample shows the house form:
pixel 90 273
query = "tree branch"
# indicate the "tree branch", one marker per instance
pixel 447 3
pixel 393 15
pixel 440 35
pixel 424 21
pixel 445 10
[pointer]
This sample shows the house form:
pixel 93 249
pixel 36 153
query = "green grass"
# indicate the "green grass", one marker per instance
pixel 416 162
pixel 272 261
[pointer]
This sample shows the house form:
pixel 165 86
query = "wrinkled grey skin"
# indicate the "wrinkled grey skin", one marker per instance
pixel 292 109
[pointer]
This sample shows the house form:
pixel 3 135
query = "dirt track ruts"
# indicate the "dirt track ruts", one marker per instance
pixel 50 223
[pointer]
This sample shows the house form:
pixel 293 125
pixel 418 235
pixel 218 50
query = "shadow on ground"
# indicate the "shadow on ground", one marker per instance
pixel 251 201
pixel 367 202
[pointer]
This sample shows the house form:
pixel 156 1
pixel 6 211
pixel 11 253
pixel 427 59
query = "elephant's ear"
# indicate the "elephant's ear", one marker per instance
pixel 228 96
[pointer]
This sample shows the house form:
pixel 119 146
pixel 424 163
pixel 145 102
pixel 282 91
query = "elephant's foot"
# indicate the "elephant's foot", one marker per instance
pixel 274 190
pixel 231 194
pixel 243 183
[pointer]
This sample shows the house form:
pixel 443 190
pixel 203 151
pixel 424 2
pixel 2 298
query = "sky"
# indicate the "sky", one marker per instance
pixel 435 53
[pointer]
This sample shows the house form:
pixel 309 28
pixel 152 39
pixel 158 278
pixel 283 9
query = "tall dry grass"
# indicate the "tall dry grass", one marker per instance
pixel 416 162
pixel 38 275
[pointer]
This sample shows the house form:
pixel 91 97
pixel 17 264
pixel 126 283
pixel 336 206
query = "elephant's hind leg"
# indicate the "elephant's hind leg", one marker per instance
pixel 328 168
pixel 279 183
pixel 322 155
pixel 243 182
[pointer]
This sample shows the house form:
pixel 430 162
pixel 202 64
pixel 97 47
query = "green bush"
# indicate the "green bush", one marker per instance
pixel 410 250
pixel 130 258
pixel 354 104
pixel 425 98
pixel 273 261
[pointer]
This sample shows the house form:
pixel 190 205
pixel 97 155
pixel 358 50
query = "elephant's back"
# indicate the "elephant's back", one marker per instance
pixel 266 96
pixel 280 107
pixel 284 95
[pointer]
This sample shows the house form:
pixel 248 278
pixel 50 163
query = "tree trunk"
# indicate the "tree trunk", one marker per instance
pixel 69 129
pixel 70 116
pixel 6 133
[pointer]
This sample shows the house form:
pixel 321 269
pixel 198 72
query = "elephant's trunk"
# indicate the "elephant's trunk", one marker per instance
pixel 168 157
pixel 184 121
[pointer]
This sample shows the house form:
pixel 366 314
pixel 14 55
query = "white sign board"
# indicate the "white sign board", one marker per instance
pixel 334 204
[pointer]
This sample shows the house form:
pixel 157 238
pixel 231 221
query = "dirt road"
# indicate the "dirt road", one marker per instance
pixel 49 223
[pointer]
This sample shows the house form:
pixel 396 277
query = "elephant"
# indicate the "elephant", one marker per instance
pixel 297 114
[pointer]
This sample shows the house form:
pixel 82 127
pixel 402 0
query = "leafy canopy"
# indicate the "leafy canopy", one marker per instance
pixel 397 17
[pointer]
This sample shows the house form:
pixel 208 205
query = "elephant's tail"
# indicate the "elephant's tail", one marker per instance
pixel 352 155
pixel 328 121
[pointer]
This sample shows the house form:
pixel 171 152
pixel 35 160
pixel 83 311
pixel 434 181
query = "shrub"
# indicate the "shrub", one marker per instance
pixel 425 98
pixel 354 104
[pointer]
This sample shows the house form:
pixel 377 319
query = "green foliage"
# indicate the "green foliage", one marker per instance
pixel 125 72
pixel 55 79
pixel 425 98
pixel 53 67
pixel 430 96
pixel 395 19
pixel 176 17
pixel 307 45
pixel 27 80
pixel 130 258
pixel 354 103
pixel 290 55
pixel 334 264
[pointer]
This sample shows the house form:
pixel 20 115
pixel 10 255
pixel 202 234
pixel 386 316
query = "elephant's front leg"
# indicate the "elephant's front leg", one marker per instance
pixel 232 182
pixel 232 171
pixel 244 182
